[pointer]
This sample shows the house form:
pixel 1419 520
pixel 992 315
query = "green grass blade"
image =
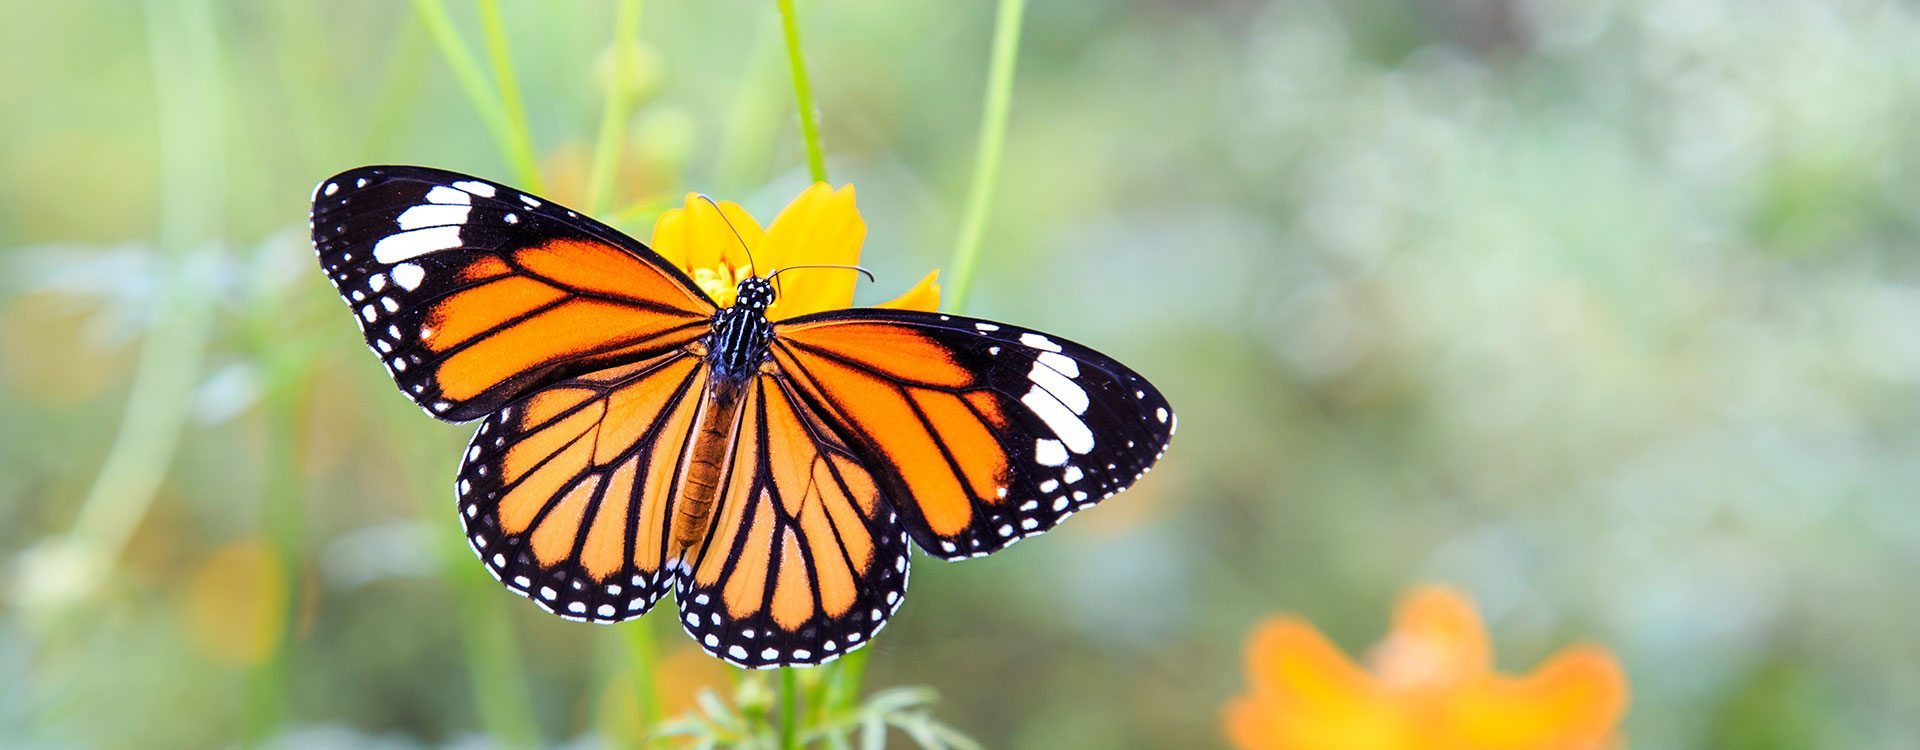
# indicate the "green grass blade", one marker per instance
pixel 986 164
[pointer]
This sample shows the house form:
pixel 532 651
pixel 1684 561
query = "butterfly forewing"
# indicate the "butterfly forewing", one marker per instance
pixel 472 293
pixel 980 433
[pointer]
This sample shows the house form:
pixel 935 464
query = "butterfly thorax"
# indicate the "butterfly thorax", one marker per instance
pixel 738 341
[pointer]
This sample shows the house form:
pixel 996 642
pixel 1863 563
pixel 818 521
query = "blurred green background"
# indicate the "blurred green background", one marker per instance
pixel 1607 313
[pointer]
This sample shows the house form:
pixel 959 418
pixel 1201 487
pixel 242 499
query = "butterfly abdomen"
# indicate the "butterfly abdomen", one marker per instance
pixel 717 424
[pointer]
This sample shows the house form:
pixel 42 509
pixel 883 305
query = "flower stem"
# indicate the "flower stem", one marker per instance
pixel 853 668
pixel 986 164
pixel 519 153
pixel 519 135
pixel 619 106
pixel 494 669
pixel 789 710
pixel 185 63
pixel 803 94
pixel 642 657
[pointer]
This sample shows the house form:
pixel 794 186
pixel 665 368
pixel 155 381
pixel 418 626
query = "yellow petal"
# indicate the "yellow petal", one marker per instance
pixel 670 237
pixel 1573 701
pixel 924 296
pixel 1437 641
pixel 822 225
pixel 697 236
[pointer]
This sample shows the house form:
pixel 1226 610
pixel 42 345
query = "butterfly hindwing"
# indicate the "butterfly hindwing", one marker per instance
pixel 980 433
pixel 568 495
pixel 472 293
pixel 806 560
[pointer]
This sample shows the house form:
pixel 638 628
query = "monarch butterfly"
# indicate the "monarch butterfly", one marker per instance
pixel 637 438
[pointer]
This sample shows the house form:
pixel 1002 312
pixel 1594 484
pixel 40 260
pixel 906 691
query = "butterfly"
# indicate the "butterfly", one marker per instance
pixel 637 439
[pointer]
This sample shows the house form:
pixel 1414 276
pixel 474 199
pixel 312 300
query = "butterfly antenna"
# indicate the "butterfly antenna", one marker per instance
pixel 736 233
pixel 861 269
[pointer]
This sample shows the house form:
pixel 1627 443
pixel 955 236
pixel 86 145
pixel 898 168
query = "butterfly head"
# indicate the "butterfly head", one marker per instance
pixel 754 293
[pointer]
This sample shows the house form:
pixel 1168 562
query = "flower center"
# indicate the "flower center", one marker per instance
pixel 721 281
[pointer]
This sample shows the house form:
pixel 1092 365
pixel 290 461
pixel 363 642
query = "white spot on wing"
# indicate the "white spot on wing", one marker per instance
pixel 1049 452
pixel 433 215
pixel 1061 386
pixel 477 188
pixel 409 276
pixel 1061 362
pixel 400 246
pixel 1038 341
pixel 449 196
pixel 1064 423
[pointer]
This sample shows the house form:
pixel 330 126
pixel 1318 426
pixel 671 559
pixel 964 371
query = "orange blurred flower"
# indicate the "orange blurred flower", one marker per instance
pixel 822 225
pixel 1431 687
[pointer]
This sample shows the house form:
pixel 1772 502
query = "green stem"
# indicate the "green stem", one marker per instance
pixel 186 75
pixel 986 164
pixel 803 93
pixel 789 711
pixel 852 669
pixel 494 669
pixel 267 690
pixel 752 124
pixel 519 135
pixel 433 14
pixel 643 656
pixel 493 654
pixel 619 107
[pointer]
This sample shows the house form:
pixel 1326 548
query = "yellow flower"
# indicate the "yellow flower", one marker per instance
pixel 1432 686
pixel 822 225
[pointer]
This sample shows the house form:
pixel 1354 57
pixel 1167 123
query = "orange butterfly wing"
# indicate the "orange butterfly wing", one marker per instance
pixel 805 560
pixel 980 433
pixel 473 294
pixel 569 495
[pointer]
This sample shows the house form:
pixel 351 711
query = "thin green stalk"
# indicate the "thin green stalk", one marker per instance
pixel 852 669
pixel 493 655
pixel 186 77
pixel 751 126
pixel 494 670
pixel 619 107
pixel 267 689
pixel 803 94
pixel 643 656
pixel 401 79
pixel 433 14
pixel 789 711
pixel 986 164
pixel 519 136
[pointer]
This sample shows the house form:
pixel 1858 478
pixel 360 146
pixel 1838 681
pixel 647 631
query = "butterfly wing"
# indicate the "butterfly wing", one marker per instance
pixel 568 495
pixel 805 561
pixel 472 293
pixel 979 433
